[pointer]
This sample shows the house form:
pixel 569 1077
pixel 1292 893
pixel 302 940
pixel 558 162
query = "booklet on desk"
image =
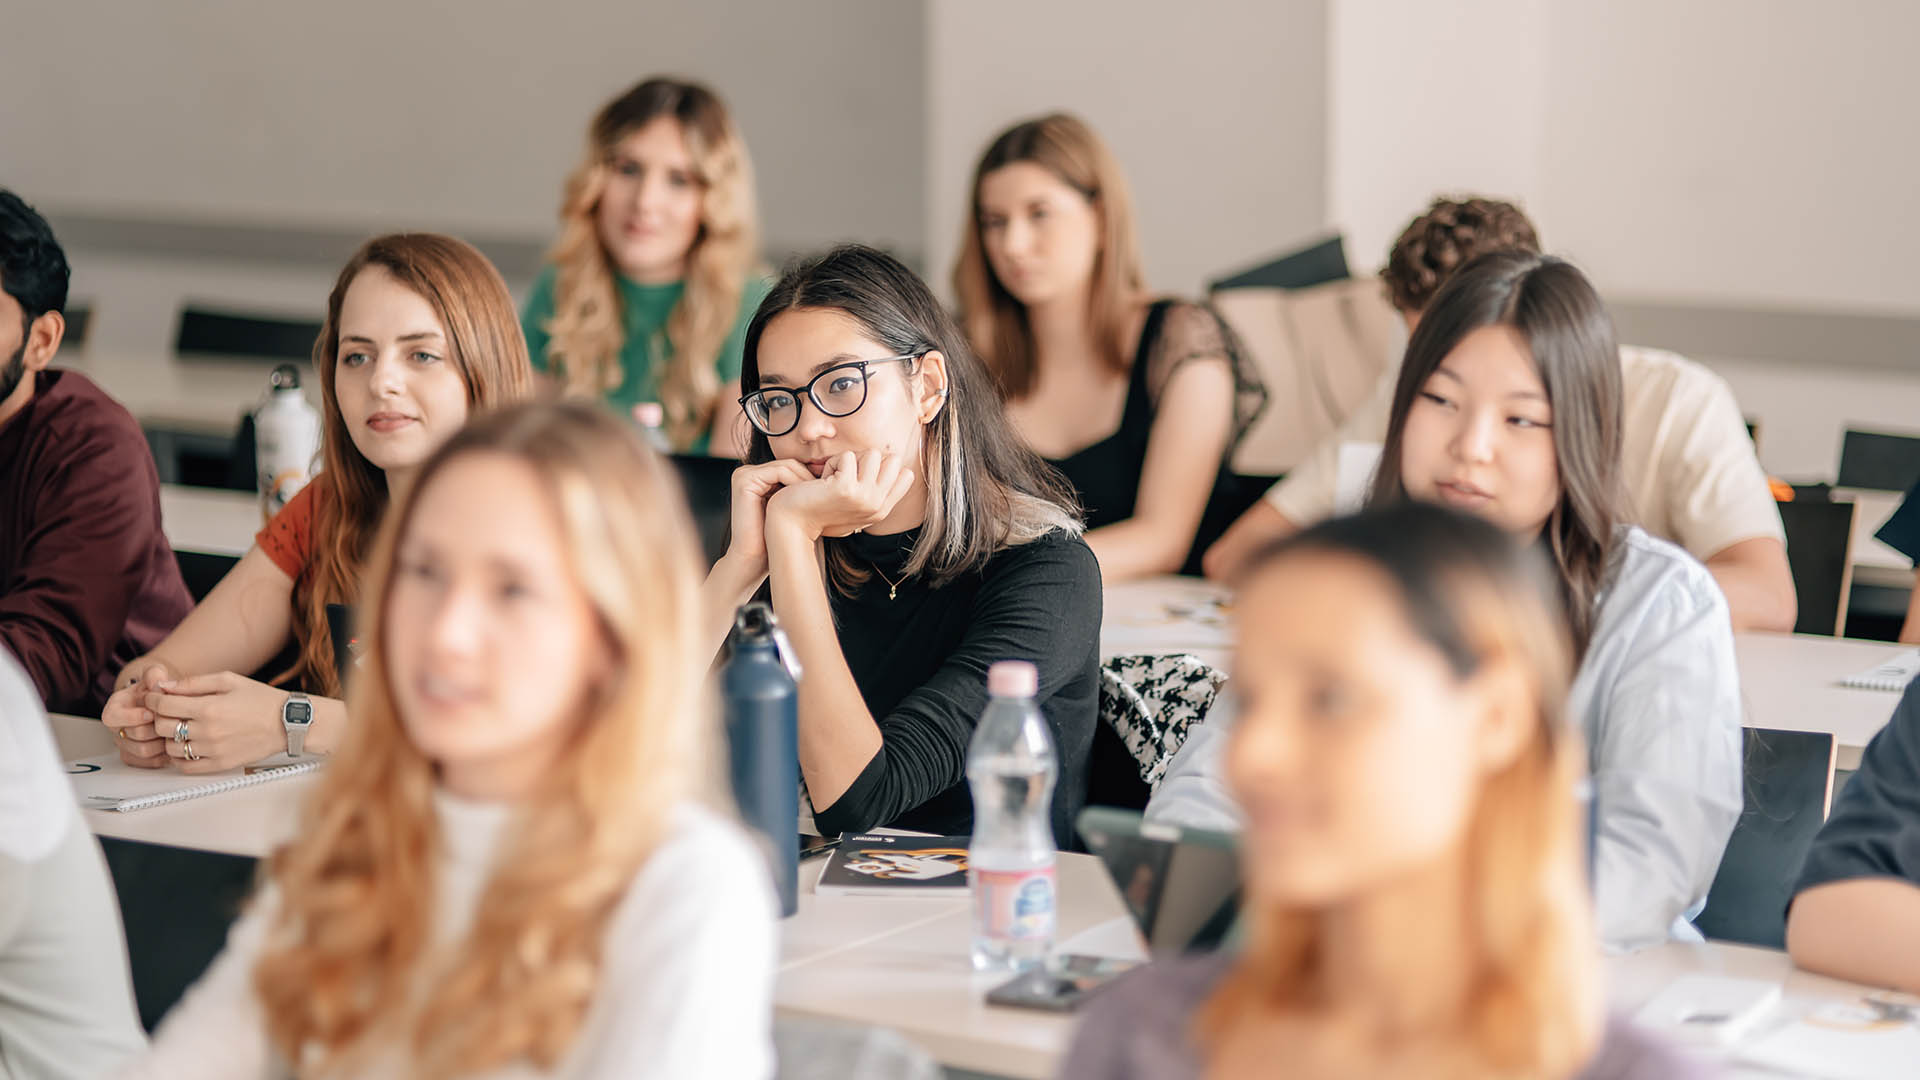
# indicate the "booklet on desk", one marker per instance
pixel 104 782
pixel 881 865
pixel 1893 674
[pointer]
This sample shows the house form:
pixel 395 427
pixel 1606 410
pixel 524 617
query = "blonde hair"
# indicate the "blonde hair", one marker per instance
pixel 995 320
pixel 484 344
pixel 588 327
pixel 340 970
pixel 1532 1008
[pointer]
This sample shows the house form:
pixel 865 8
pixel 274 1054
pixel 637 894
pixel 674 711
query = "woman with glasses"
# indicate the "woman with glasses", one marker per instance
pixel 909 540
pixel 654 274
pixel 1138 402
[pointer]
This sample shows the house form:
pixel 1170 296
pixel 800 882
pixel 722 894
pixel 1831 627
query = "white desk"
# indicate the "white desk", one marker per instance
pixel 915 977
pixel 163 390
pixel 211 521
pixel 251 821
pixel 1788 681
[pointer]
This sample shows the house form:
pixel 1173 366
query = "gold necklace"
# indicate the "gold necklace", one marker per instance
pixel 893 587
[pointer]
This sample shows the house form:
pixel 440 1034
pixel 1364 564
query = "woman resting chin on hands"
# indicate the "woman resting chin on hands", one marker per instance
pixel 909 540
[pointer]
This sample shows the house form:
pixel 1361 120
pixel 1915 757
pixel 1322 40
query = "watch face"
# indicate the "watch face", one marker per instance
pixel 299 712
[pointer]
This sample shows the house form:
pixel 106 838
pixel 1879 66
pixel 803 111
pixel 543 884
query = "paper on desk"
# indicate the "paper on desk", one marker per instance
pixel 1865 1039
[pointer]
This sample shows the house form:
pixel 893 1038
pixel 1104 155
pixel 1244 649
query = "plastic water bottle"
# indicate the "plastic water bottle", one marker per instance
pixel 286 432
pixel 761 686
pixel 1011 768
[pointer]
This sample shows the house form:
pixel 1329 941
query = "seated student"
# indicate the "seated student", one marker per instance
pixel 909 540
pixel 1138 402
pixel 513 869
pixel 66 1004
pixel 88 580
pixel 652 281
pixel 1687 463
pixel 1856 909
pixel 1508 406
pixel 1901 532
pixel 1414 901
pixel 420 334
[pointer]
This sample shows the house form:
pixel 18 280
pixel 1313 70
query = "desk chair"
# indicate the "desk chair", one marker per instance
pixel 1878 461
pixel 202 571
pixel 1818 538
pixel 1789 788
pixel 208 331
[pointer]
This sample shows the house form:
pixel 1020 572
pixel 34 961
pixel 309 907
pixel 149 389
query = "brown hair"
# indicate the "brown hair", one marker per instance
pixel 485 346
pixel 995 321
pixel 1450 233
pixel 1570 338
pixel 986 491
pixel 339 972
pixel 1533 1006
pixel 588 327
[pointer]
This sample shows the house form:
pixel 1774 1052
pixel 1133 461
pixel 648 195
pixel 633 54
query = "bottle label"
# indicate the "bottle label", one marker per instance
pixel 1014 905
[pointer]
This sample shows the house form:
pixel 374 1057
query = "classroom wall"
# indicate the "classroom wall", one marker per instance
pixel 1215 108
pixel 462 115
pixel 1715 153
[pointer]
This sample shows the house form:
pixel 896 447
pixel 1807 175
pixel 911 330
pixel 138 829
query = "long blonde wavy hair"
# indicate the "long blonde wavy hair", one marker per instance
pixel 485 346
pixel 996 320
pixel 588 328
pixel 1532 1007
pixel 342 968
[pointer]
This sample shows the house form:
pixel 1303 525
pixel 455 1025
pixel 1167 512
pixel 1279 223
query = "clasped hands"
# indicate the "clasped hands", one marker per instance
pixel 230 720
pixel 852 492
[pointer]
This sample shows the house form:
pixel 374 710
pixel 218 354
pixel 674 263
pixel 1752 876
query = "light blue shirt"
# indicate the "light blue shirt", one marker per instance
pixel 1657 699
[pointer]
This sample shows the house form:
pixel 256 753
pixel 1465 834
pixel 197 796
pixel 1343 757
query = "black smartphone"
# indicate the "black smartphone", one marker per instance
pixel 1061 984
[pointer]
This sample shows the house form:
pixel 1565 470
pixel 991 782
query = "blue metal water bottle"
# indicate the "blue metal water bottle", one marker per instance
pixel 760 685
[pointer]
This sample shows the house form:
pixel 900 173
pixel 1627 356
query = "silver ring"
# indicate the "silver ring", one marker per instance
pixel 180 731
pixel 191 756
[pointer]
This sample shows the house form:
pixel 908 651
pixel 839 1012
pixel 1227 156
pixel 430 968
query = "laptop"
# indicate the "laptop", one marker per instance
pixel 1182 886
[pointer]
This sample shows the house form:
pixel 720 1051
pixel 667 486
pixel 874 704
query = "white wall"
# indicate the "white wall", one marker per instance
pixel 1427 99
pixel 451 114
pixel 1713 151
pixel 1215 108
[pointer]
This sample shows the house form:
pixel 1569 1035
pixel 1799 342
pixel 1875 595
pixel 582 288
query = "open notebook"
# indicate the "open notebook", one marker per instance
pixel 1893 674
pixel 104 782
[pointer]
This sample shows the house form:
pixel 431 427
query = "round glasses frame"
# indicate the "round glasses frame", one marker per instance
pixel 754 404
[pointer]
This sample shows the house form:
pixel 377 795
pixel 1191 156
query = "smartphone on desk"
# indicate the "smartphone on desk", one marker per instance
pixel 1061 984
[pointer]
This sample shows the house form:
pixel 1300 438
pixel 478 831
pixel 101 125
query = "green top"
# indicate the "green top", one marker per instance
pixel 646 308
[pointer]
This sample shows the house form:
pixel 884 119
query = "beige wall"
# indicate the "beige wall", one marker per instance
pixel 1714 151
pixel 1215 108
pixel 454 114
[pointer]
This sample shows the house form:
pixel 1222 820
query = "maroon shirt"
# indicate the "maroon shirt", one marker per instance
pixel 87 578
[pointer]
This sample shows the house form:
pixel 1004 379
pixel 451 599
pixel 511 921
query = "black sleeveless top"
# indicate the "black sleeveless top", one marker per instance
pixel 1106 475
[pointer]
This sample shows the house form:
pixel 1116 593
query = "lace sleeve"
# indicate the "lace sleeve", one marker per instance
pixel 1189 332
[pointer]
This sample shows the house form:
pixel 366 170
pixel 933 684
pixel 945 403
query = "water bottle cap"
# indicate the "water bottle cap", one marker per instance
pixel 1013 678
pixel 650 414
pixel 285 377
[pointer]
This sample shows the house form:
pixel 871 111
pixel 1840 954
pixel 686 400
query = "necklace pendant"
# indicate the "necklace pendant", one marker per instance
pixel 893 592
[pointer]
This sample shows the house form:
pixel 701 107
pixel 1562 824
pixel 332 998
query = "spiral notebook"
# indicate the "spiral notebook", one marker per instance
pixel 104 782
pixel 1893 674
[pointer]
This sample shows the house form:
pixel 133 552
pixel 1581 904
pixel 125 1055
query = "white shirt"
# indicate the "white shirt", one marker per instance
pixel 1657 698
pixel 686 979
pixel 66 1000
pixel 1688 466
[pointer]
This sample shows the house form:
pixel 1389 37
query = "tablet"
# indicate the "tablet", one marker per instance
pixel 1182 886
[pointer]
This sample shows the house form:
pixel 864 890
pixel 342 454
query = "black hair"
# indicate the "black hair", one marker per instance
pixel 33 269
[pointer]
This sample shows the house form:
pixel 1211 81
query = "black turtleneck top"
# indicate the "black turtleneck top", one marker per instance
pixel 920 657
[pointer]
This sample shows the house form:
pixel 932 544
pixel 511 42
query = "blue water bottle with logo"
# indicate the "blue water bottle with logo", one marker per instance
pixel 760 684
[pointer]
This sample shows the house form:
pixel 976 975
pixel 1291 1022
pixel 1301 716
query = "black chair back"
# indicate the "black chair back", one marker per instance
pixel 708 482
pixel 1789 788
pixel 1878 461
pixel 210 332
pixel 1818 537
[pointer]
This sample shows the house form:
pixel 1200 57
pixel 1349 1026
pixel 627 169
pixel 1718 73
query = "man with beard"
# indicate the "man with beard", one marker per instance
pixel 87 579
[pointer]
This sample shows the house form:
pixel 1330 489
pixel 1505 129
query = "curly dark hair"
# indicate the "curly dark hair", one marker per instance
pixel 33 269
pixel 1451 232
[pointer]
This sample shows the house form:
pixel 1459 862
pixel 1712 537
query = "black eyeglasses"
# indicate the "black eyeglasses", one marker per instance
pixel 776 409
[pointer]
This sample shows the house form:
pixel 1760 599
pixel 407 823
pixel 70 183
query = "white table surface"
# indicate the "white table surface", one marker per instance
pixel 212 521
pixel 1787 681
pixel 163 390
